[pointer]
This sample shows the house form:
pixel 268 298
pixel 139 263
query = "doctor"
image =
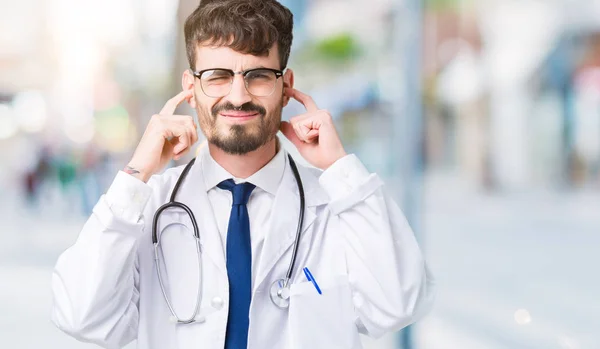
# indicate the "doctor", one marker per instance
pixel 357 266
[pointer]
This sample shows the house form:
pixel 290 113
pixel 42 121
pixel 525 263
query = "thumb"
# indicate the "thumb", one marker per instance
pixel 288 131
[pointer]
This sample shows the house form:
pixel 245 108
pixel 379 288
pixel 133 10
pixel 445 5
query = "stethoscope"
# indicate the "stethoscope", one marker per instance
pixel 280 289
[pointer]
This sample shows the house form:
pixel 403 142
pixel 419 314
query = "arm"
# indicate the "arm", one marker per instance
pixel 391 284
pixel 95 282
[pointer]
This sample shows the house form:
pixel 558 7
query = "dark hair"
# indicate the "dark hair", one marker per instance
pixel 246 26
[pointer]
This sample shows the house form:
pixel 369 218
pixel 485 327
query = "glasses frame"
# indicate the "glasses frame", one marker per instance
pixel 243 73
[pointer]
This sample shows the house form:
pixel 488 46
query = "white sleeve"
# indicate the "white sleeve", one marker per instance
pixel 391 284
pixel 95 281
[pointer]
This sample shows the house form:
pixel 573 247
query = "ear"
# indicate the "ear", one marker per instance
pixel 187 83
pixel 288 82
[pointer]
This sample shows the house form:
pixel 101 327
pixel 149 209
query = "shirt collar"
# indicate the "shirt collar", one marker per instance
pixel 267 178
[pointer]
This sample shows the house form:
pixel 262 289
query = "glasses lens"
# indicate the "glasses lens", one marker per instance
pixel 216 82
pixel 260 82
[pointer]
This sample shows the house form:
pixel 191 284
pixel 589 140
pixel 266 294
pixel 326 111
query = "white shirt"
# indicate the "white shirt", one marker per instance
pixel 260 204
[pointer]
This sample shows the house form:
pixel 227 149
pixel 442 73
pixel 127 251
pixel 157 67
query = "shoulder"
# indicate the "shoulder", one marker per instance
pixel 162 184
pixel 315 195
pixel 309 172
pixel 167 178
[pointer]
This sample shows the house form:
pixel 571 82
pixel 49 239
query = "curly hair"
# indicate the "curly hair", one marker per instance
pixel 246 26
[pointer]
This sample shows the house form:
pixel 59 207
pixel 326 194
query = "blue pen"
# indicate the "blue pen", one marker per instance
pixel 311 278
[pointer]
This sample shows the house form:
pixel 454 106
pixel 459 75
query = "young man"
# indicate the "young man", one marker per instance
pixel 357 269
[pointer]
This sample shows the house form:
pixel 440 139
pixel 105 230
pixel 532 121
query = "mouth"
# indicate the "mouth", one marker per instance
pixel 238 116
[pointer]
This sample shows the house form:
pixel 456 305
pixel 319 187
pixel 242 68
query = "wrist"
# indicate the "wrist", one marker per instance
pixel 134 172
pixel 335 159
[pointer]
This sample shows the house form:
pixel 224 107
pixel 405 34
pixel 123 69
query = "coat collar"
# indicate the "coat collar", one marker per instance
pixel 267 178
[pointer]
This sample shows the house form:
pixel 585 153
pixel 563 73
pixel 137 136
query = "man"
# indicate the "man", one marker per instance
pixel 358 268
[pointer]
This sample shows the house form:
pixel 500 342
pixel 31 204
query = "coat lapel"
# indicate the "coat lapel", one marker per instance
pixel 284 223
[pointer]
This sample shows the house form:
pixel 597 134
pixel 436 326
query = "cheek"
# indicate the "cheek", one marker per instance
pixel 203 107
pixel 273 105
pixel 205 119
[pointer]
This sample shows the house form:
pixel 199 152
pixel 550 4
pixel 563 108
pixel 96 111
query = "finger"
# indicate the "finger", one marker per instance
pixel 173 128
pixel 308 134
pixel 299 132
pixel 190 126
pixel 312 135
pixel 187 122
pixel 307 126
pixel 174 102
pixel 188 139
pixel 182 154
pixel 180 139
pixel 194 132
pixel 181 136
pixel 193 136
pixel 288 131
pixel 181 118
pixel 180 147
pixel 303 98
pixel 300 118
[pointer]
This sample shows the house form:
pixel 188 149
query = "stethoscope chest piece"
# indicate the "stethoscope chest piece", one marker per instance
pixel 280 294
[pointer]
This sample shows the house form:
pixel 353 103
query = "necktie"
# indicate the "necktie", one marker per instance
pixel 239 265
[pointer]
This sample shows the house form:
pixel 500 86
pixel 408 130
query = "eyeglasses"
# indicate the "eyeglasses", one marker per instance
pixel 259 82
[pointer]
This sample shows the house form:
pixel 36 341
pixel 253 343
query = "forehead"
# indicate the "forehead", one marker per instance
pixel 225 57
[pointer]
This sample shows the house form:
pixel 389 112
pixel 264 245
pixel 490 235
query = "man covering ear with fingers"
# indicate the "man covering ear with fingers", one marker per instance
pixel 357 267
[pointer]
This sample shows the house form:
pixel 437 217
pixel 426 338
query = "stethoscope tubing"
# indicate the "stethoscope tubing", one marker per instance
pixel 288 275
pixel 172 203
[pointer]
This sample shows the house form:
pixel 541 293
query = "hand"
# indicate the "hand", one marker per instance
pixel 167 137
pixel 313 133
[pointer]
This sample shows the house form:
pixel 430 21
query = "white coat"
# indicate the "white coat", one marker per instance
pixel 359 248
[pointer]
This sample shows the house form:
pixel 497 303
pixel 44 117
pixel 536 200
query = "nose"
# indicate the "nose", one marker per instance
pixel 238 95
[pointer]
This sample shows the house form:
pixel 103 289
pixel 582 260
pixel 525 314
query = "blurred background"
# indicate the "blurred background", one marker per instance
pixel 482 116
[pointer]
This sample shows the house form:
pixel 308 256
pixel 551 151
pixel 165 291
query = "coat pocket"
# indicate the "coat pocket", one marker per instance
pixel 323 321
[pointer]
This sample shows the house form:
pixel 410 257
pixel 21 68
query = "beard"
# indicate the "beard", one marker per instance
pixel 240 139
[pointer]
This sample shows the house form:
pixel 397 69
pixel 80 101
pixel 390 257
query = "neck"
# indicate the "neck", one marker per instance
pixel 244 166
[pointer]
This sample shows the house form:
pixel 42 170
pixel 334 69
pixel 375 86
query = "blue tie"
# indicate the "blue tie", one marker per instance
pixel 239 265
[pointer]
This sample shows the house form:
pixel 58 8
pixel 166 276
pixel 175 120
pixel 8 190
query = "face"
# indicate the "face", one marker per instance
pixel 239 122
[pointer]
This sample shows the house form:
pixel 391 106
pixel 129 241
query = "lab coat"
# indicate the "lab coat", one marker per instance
pixel 355 241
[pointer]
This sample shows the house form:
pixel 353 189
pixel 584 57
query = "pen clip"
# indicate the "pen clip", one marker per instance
pixel 311 278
